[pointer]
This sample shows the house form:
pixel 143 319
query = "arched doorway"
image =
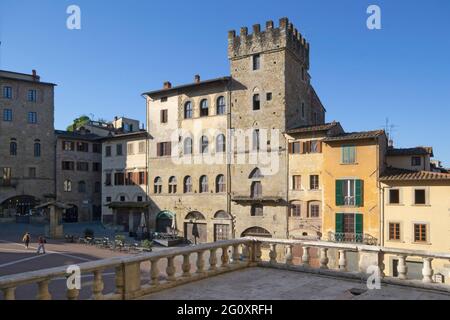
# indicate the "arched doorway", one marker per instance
pixel 21 205
pixel 164 222
pixel 195 227
pixel 256 232
pixel 71 215
pixel 222 226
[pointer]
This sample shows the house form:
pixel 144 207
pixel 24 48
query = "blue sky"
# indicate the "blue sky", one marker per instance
pixel 124 48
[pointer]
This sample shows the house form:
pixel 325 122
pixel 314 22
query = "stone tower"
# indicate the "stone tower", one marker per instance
pixel 270 90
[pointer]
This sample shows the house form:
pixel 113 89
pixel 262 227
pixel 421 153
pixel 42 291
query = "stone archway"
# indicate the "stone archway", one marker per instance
pixel 256 232
pixel 70 215
pixel 21 205
pixel 164 221
pixel 195 227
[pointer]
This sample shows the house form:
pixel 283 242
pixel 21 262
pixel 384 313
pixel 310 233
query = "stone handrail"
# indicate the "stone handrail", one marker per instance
pixel 130 282
pixel 128 271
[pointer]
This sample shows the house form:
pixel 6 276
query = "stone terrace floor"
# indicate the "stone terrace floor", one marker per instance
pixel 275 284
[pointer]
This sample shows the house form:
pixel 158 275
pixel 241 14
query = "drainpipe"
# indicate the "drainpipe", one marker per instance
pixel 228 159
pixel 287 186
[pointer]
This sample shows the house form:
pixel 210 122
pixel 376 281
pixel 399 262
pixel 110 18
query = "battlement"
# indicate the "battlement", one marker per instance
pixel 285 36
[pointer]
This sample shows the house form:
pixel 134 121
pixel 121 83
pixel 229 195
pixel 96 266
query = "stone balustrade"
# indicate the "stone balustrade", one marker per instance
pixel 137 276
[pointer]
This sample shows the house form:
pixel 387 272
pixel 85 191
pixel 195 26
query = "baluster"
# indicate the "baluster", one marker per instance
pixel 427 270
pixel 72 294
pixel 43 293
pixel 9 293
pixel 246 252
pixel 200 262
pixel 119 280
pixel 170 270
pixel 305 257
pixel 98 286
pixel 258 252
pixel 236 254
pixel 154 272
pixel 289 256
pixel 273 253
pixel 324 258
pixel 213 259
pixel 342 260
pixel 186 267
pixel 402 268
pixel 225 257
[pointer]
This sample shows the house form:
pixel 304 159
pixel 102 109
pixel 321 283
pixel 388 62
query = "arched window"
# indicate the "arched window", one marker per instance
pixel 67 186
pixel 158 185
pixel 221 105
pixel 81 187
pixel 256 174
pixel 256 189
pixel 220 143
pixel 222 215
pixel 314 210
pixel 204 144
pixel 173 185
pixel 37 149
pixel 187 184
pixel 13 148
pixel 195 215
pixel 188 146
pixel 256 232
pixel 220 183
pixel 188 113
pixel 204 108
pixel 203 184
pixel 256 102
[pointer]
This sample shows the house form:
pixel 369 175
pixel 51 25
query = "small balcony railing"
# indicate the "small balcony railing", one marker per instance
pixel 345 237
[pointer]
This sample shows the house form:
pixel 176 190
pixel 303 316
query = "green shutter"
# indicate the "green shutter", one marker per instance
pixel 339 195
pixel 358 223
pixel 339 223
pixel 359 193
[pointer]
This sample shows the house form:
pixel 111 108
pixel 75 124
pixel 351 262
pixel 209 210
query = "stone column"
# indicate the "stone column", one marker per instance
pixel 289 256
pixel 402 268
pixel 186 267
pixel 342 260
pixel 273 253
pixel 305 257
pixel 427 270
pixel 213 259
pixel 200 262
pixel 97 286
pixel 170 270
pixel 154 272
pixel 324 258
pixel 236 253
pixel 43 293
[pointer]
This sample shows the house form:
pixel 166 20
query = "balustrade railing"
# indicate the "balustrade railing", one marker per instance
pixel 145 273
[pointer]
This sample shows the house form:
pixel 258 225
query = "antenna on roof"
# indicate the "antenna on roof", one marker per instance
pixel 389 129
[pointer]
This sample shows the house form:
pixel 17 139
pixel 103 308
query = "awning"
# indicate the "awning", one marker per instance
pixel 128 205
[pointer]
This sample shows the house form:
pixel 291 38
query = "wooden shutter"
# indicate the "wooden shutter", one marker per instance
pixel 339 194
pixel 319 146
pixel 359 224
pixel 291 148
pixel 359 193
pixel 339 223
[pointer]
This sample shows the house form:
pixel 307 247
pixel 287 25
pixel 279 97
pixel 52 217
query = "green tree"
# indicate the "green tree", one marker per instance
pixel 78 122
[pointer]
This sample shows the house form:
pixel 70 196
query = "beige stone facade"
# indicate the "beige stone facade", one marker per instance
pixel 27 157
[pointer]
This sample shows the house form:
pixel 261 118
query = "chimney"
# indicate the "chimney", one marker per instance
pixel 34 74
pixel 391 144
pixel 197 78
pixel 167 85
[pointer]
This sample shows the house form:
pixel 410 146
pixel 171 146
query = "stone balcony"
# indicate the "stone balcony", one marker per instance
pixel 247 268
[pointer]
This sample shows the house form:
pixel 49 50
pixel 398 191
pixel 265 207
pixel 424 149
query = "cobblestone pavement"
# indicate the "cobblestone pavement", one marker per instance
pixel 273 284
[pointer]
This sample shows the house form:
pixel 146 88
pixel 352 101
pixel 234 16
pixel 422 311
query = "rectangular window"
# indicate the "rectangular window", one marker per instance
pixel 164 149
pixel 420 233
pixel 349 193
pixel 7 92
pixel 108 151
pixel 108 180
pixel 257 210
pixel 129 179
pixel 296 210
pixel 130 148
pixel 314 211
pixel 82 147
pixel 7 115
pixel 394 231
pixel 420 196
pixel 256 140
pixel 96 166
pixel 97 187
pixel 269 96
pixel 256 62
pixel 141 147
pixel 32 117
pixel 297 183
pixel 32 95
pixel 314 182
pixel 394 196
pixel 164 99
pixel 96 148
pixel 256 102
pixel 6 176
pixel 295 148
pixel 119 151
pixel 82 166
pixel 142 178
pixel 68 166
pixel 164 116
pixel 108 199
pixel 32 173
pixel 348 154
pixel 349 223
pixel 68 146
pixel 316 146
pixel 416 161
pixel 119 179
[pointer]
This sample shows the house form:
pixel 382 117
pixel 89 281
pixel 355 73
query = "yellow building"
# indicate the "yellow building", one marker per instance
pixel 353 163
pixel 417 217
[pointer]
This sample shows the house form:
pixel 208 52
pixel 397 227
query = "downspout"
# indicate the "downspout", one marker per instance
pixel 287 186
pixel 228 159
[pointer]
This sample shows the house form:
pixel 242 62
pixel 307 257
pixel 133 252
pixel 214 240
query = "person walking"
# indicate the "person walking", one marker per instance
pixel 41 246
pixel 26 239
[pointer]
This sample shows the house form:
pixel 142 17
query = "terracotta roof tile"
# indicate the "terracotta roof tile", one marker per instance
pixel 355 136
pixel 410 151
pixel 394 174
pixel 320 127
